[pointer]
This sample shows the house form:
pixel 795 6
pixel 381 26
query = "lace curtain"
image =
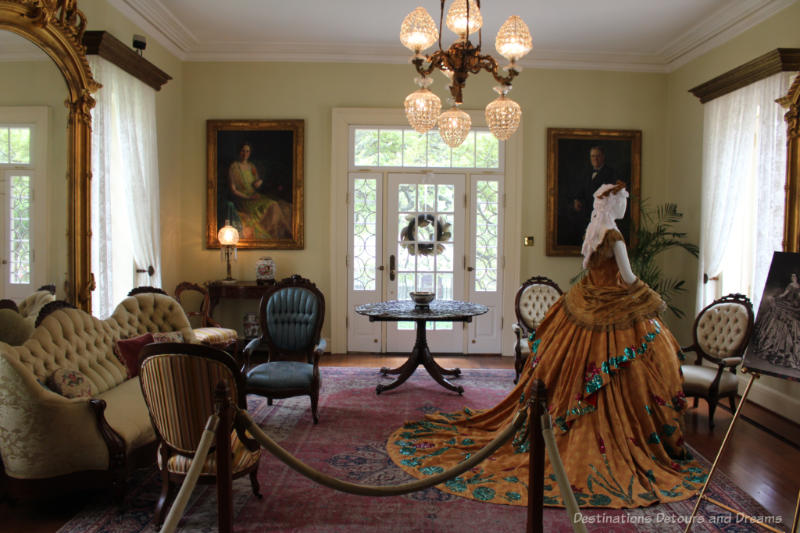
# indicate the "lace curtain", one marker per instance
pixel 126 238
pixel 744 174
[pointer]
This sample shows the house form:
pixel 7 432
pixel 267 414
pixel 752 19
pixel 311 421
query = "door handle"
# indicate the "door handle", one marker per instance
pixel 470 269
pixel 5 262
pixel 391 268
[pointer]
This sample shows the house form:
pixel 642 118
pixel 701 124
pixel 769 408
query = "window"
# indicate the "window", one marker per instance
pixel 744 175
pixel 125 195
pixel 405 148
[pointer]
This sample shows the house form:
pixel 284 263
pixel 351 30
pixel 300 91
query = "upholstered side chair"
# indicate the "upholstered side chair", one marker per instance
pixel 195 302
pixel 291 314
pixel 721 332
pixel 534 298
pixel 178 381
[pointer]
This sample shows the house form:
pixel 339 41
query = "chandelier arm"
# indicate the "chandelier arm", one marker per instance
pixel 489 64
pixel 480 30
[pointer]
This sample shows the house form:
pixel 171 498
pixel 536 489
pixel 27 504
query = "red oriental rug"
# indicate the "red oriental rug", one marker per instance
pixel 349 443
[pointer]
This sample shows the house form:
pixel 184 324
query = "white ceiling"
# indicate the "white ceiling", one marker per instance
pixel 637 35
pixel 640 35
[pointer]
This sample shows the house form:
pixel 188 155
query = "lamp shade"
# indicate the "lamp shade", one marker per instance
pixel 503 116
pixel 513 39
pixel 228 235
pixel 418 30
pixel 422 109
pixel 457 17
pixel 454 126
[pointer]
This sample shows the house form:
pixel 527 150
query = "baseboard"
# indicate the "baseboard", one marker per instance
pixel 776 401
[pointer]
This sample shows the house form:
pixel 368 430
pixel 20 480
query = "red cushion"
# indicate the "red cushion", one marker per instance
pixel 127 351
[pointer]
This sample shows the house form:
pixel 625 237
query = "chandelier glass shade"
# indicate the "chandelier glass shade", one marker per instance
pixel 418 32
pixel 454 126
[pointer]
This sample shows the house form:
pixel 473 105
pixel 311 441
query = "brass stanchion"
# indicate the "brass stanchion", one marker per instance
pixel 701 495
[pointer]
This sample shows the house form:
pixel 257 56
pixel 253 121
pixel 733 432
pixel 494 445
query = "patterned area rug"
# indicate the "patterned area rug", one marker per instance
pixel 349 443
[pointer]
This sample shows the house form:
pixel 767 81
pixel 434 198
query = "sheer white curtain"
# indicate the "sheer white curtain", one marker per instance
pixel 744 173
pixel 126 240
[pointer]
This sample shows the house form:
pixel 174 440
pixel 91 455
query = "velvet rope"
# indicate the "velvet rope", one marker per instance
pixel 375 490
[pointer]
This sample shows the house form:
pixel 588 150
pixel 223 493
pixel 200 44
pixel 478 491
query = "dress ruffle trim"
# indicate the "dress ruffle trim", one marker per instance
pixel 597 307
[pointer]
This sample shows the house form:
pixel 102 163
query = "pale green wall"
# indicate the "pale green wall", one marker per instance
pixel 685 148
pixel 39 83
pixel 549 98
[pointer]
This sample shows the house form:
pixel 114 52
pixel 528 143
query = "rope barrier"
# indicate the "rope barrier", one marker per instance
pixel 376 490
pixel 573 511
pixel 176 511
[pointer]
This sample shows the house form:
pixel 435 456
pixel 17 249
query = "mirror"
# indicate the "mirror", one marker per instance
pixel 56 28
pixel 32 88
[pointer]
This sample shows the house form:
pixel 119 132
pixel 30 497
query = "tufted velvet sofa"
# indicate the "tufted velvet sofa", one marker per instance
pixel 47 437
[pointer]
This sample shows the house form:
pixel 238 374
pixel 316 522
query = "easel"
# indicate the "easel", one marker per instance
pixel 702 495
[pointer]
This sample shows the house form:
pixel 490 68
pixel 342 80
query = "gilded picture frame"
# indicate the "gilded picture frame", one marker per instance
pixel 579 160
pixel 255 182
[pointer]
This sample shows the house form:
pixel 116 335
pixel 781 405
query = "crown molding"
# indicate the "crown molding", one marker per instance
pixel 718 28
pixel 159 22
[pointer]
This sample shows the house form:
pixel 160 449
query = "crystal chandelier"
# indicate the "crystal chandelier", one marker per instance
pixel 418 32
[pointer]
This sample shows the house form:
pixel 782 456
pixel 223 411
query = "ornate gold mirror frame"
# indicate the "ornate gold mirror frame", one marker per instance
pixel 791 232
pixel 57 26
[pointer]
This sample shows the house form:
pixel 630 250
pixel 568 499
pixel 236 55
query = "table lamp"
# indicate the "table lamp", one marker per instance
pixel 228 238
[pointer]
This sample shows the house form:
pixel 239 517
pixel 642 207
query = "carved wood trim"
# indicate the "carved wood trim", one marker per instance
pixel 105 45
pixel 113 440
pixel 778 60
pixel 791 225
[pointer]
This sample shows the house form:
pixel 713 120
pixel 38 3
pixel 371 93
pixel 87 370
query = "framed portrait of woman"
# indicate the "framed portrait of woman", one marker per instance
pixel 255 182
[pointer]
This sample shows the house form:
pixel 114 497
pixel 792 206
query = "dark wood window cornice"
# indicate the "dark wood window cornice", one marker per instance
pixel 112 49
pixel 778 60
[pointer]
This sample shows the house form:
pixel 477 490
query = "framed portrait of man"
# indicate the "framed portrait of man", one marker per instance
pixel 255 182
pixel 579 161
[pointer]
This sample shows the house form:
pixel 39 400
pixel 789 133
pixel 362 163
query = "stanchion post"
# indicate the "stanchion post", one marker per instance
pixel 536 405
pixel 224 474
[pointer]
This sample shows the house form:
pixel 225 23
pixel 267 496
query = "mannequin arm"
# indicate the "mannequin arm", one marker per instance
pixel 624 265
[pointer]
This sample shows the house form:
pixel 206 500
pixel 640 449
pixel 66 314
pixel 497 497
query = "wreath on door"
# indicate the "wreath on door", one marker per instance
pixel 408 235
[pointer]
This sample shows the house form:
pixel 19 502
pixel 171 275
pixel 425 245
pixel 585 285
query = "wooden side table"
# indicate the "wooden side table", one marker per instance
pixel 239 289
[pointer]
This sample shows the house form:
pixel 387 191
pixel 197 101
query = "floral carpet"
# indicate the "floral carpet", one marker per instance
pixel 349 443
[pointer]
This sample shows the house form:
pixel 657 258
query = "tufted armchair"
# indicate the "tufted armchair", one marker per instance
pixel 92 439
pixel 533 300
pixel 291 313
pixel 721 333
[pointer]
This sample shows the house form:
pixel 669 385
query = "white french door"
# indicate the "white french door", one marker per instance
pixel 425 239
pixel 16 259
pixel 425 231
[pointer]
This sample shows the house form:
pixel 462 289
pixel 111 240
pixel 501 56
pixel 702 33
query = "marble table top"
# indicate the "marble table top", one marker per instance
pixel 437 310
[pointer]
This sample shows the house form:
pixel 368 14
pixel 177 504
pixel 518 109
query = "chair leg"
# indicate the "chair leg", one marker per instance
pixel 269 401
pixel 254 483
pixel 163 498
pixel 314 401
pixel 696 399
pixel 712 406
pixel 732 401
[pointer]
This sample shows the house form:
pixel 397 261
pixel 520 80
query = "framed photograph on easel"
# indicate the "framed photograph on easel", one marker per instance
pixel 774 348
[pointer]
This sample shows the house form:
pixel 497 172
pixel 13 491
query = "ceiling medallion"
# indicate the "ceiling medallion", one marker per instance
pixel 418 32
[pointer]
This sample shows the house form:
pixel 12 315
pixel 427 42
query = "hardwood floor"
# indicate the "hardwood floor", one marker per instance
pixel 762 459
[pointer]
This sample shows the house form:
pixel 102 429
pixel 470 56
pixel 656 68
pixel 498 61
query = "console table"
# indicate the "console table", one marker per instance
pixel 218 290
pixel 437 310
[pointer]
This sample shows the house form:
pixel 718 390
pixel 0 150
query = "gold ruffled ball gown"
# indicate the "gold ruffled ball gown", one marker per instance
pixel 612 372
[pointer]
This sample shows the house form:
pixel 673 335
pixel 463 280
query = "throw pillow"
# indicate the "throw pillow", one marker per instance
pixel 170 336
pixel 70 383
pixel 127 351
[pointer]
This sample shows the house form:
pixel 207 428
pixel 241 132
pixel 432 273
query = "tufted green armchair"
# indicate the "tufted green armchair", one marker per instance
pixel 291 314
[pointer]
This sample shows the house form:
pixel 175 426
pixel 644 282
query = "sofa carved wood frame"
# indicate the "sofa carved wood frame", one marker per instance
pixel 57 28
